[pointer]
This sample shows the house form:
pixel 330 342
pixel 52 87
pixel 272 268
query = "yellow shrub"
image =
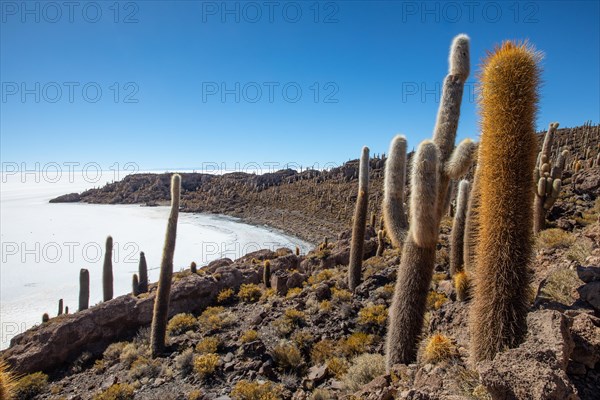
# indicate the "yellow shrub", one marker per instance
pixel 225 296
pixel 206 364
pixel 340 295
pixel 554 239
pixel 31 385
pixel 321 276
pixel 293 292
pixel 267 294
pixel 322 351
pixel 435 300
pixel 286 355
pixel 283 326
pixel 246 390
pixel 118 391
pixel 249 292
pixel 325 305
pixel 337 366
pixel 373 315
pixel 181 323
pixel 211 318
pixel 356 343
pixel 294 316
pixel 302 339
pixel 7 381
pixel 249 336
pixel 438 348
pixel 208 345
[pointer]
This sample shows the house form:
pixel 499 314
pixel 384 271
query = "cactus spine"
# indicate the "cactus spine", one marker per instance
pixel 394 216
pixel 107 271
pixel 472 225
pixel 60 306
pixel 508 104
pixel 267 274
pixel 548 182
pixel 161 302
pixel 143 271
pixel 84 289
pixel 429 192
pixel 458 229
pixel 360 222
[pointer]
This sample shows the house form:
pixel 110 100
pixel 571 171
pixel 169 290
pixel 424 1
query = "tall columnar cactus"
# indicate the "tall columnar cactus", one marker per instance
pixel 107 271
pixel 267 274
pixel 161 302
pixel 394 215
pixel 60 307
pixel 435 164
pixel 143 273
pixel 548 181
pixel 84 289
pixel 508 104
pixel 418 257
pixel 360 222
pixel 458 228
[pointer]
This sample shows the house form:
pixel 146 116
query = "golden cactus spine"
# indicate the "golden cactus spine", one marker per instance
pixel 508 104
pixel 161 301
pixel 360 222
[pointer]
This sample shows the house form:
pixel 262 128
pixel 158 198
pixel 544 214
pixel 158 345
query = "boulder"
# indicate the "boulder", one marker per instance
pixel 585 331
pixel 590 292
pixel 536 369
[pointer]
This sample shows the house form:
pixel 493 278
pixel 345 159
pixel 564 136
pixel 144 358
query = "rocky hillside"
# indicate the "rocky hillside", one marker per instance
pixel 309 204
pixel 307 337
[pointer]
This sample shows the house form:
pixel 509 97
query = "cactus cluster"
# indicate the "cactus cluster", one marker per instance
pixel 434 164
pixel 548 181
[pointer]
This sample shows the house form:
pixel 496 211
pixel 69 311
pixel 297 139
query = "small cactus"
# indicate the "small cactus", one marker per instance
pixel 380 242
pixel 193 267
pixel 67 310
pixel 161 301
pixel 462 286
pixel 135 285
pixel 267 274
pixel 45 318
pixel 143 271
pixel 84 289
pixel 60 307
pixel 359 225
pixel 107 271
pixel 297 251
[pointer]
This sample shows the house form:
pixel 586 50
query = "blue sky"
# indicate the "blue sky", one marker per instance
pixel 365 71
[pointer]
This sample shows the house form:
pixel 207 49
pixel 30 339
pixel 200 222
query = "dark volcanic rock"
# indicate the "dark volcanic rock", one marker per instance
pixel 51 344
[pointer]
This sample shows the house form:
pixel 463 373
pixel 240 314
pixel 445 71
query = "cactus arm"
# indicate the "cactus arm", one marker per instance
pixel 394 215
pixel 462 158
pixel 424 197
